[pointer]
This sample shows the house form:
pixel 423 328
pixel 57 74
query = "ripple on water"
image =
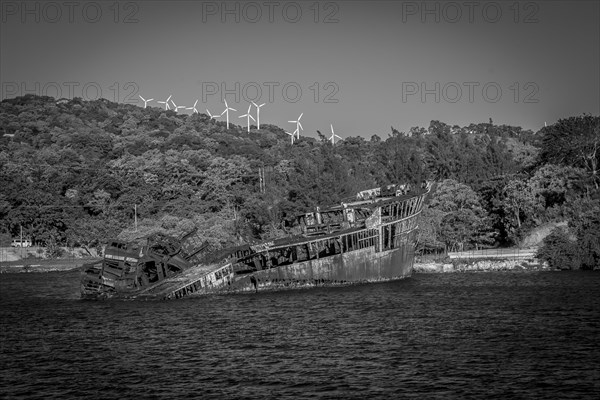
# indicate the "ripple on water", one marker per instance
pixel 498 335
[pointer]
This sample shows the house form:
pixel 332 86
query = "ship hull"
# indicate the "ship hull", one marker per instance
pixel 360 266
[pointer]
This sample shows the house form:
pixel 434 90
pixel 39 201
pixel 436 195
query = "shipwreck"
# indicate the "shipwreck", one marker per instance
pixel 368 238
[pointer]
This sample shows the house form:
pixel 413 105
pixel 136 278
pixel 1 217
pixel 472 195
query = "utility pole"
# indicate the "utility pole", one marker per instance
pixel 261 179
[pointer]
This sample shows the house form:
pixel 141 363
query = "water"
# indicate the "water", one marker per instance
pixel 499 335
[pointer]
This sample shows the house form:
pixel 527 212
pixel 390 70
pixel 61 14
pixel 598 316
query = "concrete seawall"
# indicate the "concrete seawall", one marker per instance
pixel 48 265
pixel 481 265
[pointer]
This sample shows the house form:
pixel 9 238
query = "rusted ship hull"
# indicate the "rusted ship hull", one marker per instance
pixel 361 266
pixel 366 241
pixel 378 258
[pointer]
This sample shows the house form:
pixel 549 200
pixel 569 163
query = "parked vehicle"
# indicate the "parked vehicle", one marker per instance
pixel 21 243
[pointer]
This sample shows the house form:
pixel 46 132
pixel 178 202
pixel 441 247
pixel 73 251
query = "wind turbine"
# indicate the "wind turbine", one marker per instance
pixel 292 134
pixel 298 126
pixel 176 106
pixel 166 103
pixel 248 116
pixel 193 108
pixel 333 135
pixel 258 114
pixel 227 108
pixel 145 101
pixel 213 116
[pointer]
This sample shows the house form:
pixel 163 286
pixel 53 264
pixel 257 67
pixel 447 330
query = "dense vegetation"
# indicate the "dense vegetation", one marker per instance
pixel 77 172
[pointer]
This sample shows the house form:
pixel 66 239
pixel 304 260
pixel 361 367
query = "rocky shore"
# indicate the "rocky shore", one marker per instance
pixel 41 265
pixel 480 265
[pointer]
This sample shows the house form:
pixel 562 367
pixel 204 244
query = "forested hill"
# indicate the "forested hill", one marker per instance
pixel 76 172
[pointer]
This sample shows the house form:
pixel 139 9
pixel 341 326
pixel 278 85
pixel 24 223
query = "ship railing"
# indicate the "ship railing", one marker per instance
pixel 323 228
pixel 213 279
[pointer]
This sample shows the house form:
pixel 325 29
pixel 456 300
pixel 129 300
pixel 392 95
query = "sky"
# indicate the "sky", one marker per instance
pixel 363 66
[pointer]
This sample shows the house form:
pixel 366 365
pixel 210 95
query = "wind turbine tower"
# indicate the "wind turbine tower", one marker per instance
pixel 298 126
pixel 333 135
pixel 258 114
pixel 248 116
pixel 166 103
pixel 193 108
pixel 226 112
pixel 292 134
pixel 176 106
pixel 213 116
pixel 145 101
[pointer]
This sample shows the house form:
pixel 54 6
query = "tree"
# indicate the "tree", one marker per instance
pixel 574 142
pixel 430 229
pixel 560 250
pixel 223 181
pixel 462 218
pixel 521 204
pixel 587 231
pixel 555 185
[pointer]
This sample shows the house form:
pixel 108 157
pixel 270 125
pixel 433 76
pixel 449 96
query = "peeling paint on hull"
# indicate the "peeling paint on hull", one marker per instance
pixel 361 266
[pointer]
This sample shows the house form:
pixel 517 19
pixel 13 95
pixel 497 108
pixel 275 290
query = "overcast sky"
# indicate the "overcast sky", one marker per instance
pixel 361 65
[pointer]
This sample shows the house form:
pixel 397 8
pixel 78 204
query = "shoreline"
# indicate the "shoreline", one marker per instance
pixel 480 265
pixel 58 265
pixel 43 265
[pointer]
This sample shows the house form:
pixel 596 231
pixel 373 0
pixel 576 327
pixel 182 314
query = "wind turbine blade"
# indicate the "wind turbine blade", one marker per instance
pixel 225 103
pixel 149 100
pixel 293 122
pixel 261 105
pixel 252 117
pixel 196 102
pixel 331 125
pixel 299 124
pixel 254 104
pixel 142 98
pixel 233 109
pixel 248 112
pixel 169 97
pixel 300 116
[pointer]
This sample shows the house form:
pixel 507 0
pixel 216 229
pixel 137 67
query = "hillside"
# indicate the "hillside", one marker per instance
pixel 79 172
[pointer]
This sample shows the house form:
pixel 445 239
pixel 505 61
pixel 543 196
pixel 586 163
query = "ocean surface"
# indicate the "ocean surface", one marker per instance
pixel 502 335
